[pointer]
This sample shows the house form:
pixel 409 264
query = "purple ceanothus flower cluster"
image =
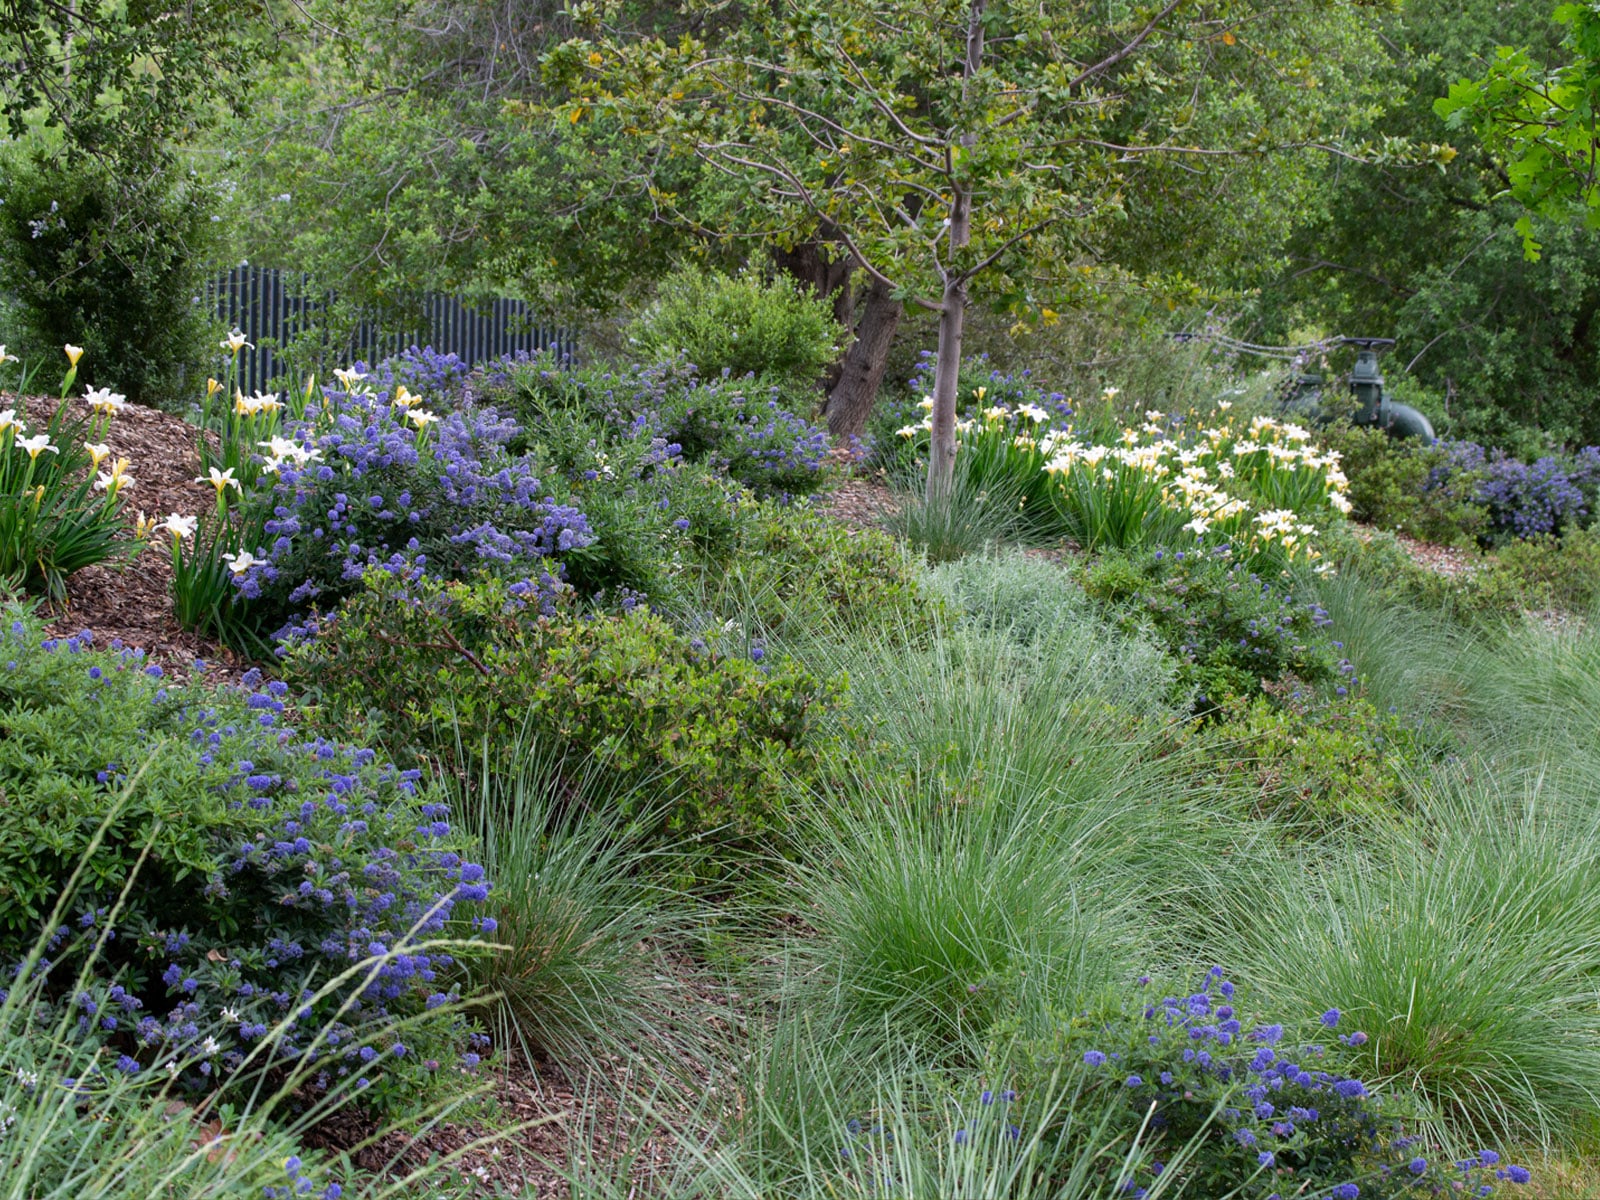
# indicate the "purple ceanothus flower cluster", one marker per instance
pixel 774 452
pixel 424 370
pixel 1523 500
pixel 1290 1122
pixel 382 485
pixel 750 434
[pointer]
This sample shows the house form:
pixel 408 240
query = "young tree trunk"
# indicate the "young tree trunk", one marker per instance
pixel 947 369
pixel 864 363
pixel 953 303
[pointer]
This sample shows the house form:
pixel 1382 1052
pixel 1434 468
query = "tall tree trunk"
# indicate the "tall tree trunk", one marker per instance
pixel 947 371
pixel 861 374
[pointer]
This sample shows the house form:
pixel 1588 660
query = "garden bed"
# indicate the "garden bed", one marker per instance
pixel 745 774
pixel 131 601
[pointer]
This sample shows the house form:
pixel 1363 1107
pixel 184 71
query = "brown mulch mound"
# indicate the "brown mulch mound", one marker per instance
pixel 1449 561
pixel 537 1119
pixel 859 502
pixel 131 601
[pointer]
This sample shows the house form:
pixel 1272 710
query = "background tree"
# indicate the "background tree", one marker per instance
pixel 115 77
pixel 106 224
pixel 1542 124
pixel 381 158
pixel 1492 346
pixel 950 144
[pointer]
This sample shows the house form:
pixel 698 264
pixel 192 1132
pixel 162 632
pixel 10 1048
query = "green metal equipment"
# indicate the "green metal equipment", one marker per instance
pixel 1372 406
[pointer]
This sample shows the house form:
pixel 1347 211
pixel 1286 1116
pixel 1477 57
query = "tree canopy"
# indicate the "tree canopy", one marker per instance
pixel 944 144
pixel 111 75
pixel 1543 124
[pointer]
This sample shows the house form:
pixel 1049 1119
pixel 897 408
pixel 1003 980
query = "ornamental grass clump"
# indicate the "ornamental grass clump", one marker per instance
pixel 1465 945
pixel 268 862
pixel 934 921
pixel 1014 854
pixel 580 908
pixel 822 1116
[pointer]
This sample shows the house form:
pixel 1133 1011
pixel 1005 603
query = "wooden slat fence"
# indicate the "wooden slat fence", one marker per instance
pixel 273 309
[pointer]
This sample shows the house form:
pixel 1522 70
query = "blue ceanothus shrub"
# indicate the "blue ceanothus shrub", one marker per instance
pixel 264 865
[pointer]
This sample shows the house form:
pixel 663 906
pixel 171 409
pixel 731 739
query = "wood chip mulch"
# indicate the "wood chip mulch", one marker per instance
pixel 543 1113
pixel 859 502
pixel 543 1123
pixel 1449 561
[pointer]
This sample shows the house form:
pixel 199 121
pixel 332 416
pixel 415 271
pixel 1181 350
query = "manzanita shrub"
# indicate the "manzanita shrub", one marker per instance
pixel 1259 1113
pixel 1319 765
pixel 796 569
pixel 268 862
pixel 454 672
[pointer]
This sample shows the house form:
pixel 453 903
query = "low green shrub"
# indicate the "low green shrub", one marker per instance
pixel 444 671
pixel 1469 599
pixel 745 324
pixel 1535 574
pixel 1011 592
pixel 1389 487
pixel 1553 572
pixel 794 570
pixel 1233 632
pixel 268 863
pixel 1318 766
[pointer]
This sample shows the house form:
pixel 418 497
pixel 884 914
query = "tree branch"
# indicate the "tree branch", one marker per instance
pixel 1139 39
